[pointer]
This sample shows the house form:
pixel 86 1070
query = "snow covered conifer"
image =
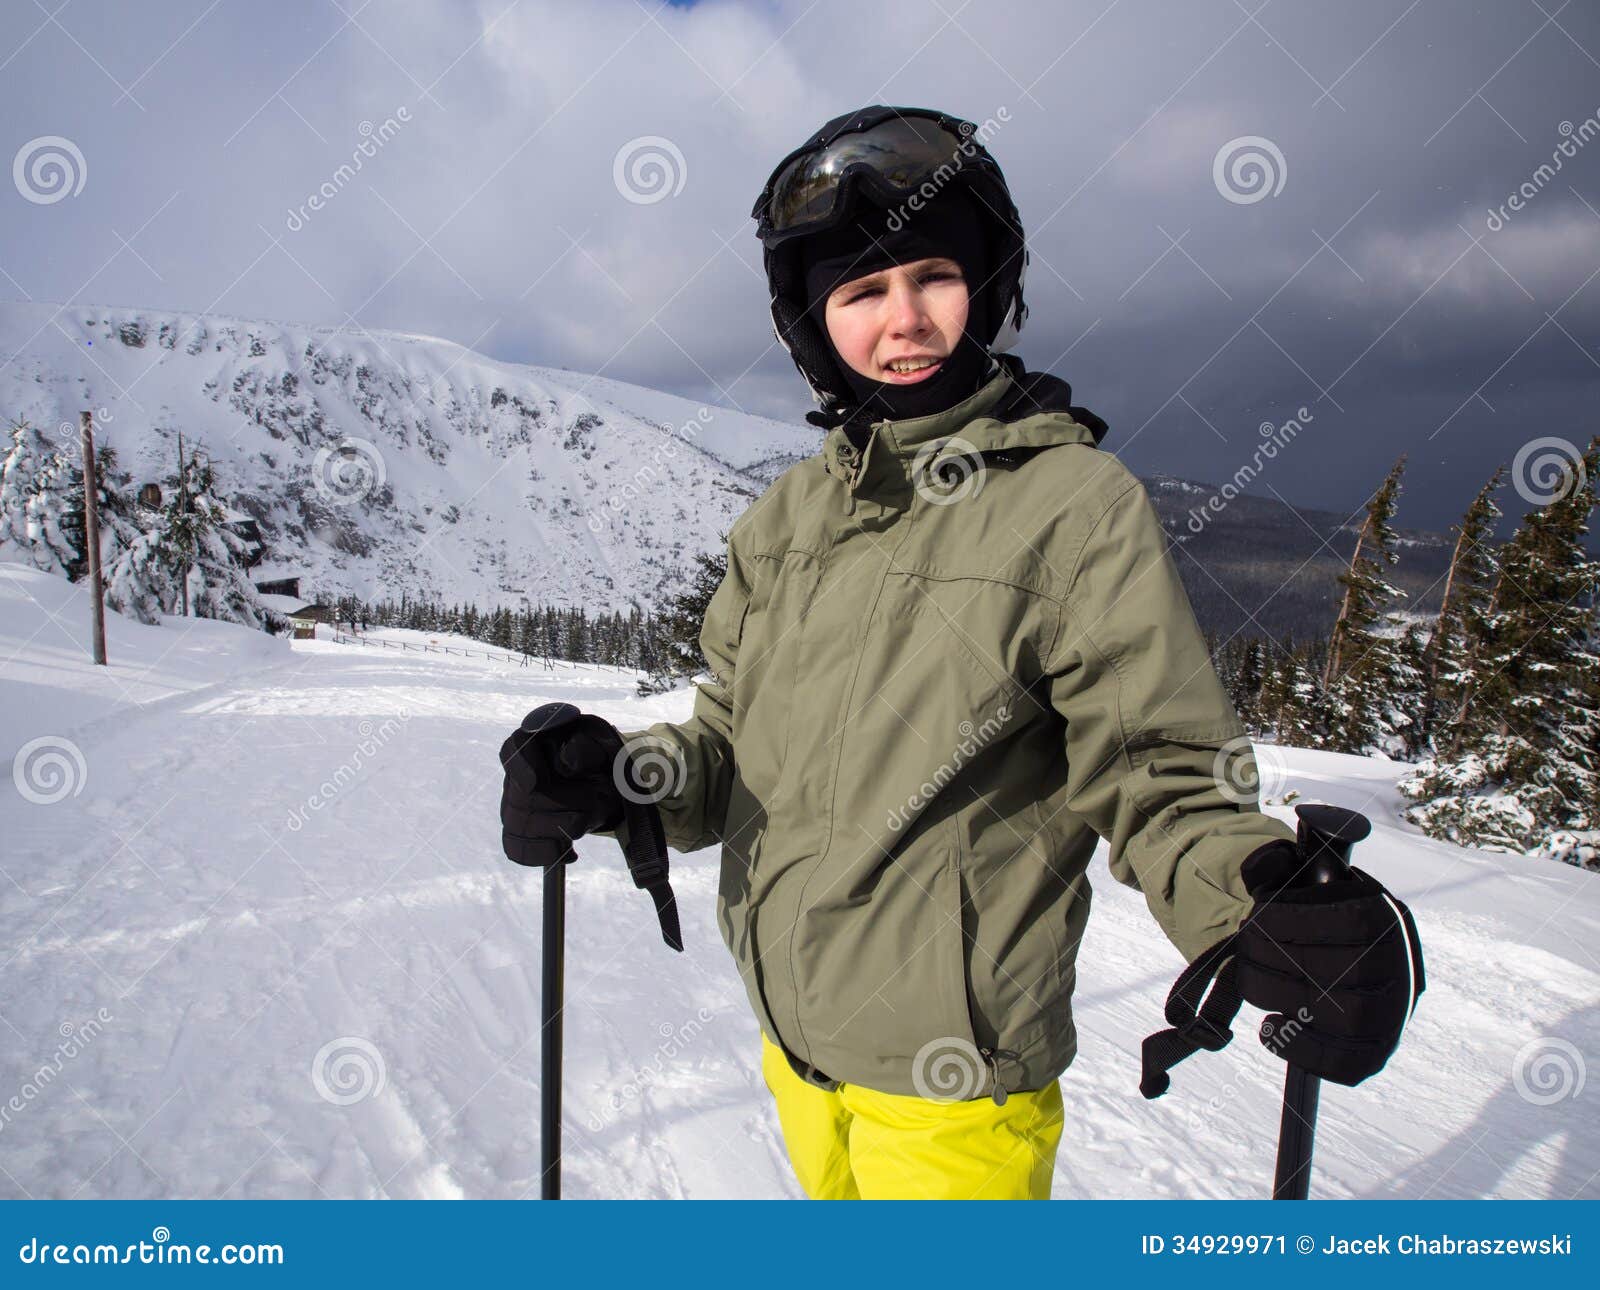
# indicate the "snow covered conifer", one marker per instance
pixel 1364 668
pixel 37 525
pixel 679 622
pixel 1459 631
pixel 1529 766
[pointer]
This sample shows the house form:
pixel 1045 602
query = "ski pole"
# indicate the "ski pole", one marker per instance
pixel 1326 835
pixel 644 847
pixel 551 1002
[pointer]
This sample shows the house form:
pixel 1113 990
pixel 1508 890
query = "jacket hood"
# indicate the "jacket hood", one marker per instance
pixel 1014 413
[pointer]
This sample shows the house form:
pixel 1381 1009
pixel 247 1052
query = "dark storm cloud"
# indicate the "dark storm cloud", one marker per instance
pixel 569 184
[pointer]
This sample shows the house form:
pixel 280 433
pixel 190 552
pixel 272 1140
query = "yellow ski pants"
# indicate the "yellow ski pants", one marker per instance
pixel 856 1143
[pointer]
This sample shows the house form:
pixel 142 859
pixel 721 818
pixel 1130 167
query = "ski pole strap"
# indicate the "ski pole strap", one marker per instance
pixel 1195 1024
pixel 644 847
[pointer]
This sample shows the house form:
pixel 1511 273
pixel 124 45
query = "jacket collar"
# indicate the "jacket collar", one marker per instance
pixel 1014 409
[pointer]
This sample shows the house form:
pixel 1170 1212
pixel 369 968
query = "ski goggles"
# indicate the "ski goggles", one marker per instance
pixel 899 154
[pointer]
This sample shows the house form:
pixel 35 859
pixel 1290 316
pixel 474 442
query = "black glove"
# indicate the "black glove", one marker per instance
pixel 559 784
pixel 1338 965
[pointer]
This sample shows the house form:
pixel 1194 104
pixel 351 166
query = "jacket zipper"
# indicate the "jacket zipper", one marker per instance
pixel 991 1058
pixel 852 461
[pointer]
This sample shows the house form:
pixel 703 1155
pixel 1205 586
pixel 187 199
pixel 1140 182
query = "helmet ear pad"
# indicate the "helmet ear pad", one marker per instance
pixel 800 332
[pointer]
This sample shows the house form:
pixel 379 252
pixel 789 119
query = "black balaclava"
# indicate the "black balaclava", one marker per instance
pixel 950 225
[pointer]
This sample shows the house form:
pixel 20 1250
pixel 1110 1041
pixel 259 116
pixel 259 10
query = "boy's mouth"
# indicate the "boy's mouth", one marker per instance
pixel 910 371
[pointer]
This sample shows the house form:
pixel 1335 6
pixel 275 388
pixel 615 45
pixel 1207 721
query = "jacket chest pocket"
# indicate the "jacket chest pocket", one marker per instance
pixel 768 670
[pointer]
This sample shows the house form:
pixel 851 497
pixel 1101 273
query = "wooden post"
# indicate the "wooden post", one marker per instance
pixel 91 535
pixel 183 509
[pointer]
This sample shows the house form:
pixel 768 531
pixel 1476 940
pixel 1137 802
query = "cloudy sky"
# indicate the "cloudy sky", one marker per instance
pixel 569 184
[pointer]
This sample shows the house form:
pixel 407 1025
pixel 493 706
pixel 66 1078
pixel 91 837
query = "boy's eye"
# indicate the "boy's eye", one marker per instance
pixel 933 275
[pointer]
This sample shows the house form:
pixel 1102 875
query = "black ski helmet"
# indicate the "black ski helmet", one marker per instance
pixel 817 187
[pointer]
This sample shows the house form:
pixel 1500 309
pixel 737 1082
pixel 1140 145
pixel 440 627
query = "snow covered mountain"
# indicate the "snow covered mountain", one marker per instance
pixel 380 462
pixel 383 462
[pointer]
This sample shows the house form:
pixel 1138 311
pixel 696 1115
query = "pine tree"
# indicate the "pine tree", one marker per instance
pixel 183 549
pixel 679 624
pixel 38 482
pixel 1458 634
pixel 1364 667
pixel 1530 769
pixel 1246 682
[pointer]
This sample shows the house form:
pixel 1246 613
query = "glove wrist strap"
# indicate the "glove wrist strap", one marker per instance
pixel 1195 1024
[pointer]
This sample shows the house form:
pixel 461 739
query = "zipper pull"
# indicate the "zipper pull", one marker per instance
pixel 990 1057
pixel 852 462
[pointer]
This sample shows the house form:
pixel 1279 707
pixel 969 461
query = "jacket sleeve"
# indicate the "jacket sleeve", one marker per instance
pixel 691 763
pixel 1159 763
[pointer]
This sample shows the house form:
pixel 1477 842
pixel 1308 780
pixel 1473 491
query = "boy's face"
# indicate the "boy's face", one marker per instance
pixel 914 310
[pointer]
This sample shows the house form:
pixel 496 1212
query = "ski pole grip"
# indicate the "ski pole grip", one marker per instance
pixel 1325 835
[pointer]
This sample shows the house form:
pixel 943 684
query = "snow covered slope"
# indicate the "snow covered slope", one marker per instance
pixel 381 462
pixel 259 940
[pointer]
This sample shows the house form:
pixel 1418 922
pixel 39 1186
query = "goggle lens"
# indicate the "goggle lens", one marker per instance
pixel 902 152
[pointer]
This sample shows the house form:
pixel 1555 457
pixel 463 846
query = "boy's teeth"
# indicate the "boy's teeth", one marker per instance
pixel 912 365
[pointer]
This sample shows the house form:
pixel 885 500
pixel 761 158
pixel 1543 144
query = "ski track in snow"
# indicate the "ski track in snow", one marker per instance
pixel 229 948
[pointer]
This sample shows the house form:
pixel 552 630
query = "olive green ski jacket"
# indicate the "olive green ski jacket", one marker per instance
pixel 941 668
